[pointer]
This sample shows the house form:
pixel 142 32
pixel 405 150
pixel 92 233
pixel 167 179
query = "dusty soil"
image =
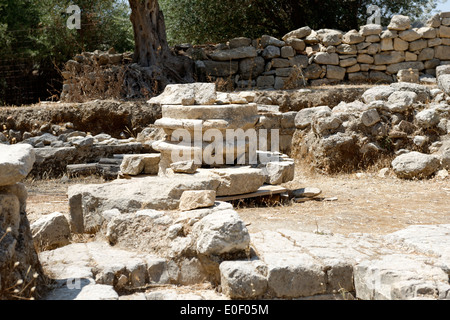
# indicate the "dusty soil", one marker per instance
pixel 365 203
pixel 99 116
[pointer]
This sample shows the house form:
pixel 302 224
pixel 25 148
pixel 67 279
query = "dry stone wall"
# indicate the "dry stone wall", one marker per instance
pixel 303 56
pixel 327 56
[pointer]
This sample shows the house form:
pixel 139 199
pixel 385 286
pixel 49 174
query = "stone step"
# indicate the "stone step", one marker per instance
pixel 409 264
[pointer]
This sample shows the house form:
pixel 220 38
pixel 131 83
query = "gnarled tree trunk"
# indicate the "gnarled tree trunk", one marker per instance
pixel 151 48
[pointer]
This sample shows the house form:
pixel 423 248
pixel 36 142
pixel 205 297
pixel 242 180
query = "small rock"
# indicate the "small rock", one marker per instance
pixel 306 192
pixel 383 173
pixel 415 165
pixel 51 232
pixel 370 117
pixel 184 167
pixel 191 200
pixel 442 174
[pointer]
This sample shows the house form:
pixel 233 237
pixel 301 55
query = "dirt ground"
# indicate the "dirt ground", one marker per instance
pixel 363 203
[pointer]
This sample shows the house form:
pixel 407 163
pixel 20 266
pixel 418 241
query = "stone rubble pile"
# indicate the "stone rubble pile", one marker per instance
pixel 327 56
pixel 303 56
pixel 407 120
pixel 197 121
pixel 21 274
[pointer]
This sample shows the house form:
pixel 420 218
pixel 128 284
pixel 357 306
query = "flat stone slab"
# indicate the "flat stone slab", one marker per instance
pixel 89 271
pixel 16 162
pixel 187 94
pixel 159 193
pixel 408 264
pixel 235 180
pixel 205 112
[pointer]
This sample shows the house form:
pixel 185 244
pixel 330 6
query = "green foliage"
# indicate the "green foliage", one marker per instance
pixel 205 21
pixel 39 28
pixel 34 38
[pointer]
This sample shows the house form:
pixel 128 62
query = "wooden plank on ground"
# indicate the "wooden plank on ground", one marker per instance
pixel 266 190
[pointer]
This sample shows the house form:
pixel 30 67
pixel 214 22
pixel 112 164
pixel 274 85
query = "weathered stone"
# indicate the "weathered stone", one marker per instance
pixel 377 93
pixel 348 62
pixel 370 117
pixel 444 32
pixel 434 42
pixel 236 180
pixel 326 58
pixel 426 54
pixel 410 56
pixel 51 231
pixel 422 91
pixel 278 172
pixel 444 83
pixel 299 61
pixel 88 201
pixel 134 165
pixel 221 232
pixel 265 81
pixel 346 49
pixel 397 277
pixel 335 72
pixel 283 72
pixel 271 52
pixel 313 71
pixel 287 52
pixel 365 58
pixel 16 162
pixel 352 37
pixel 191 200
pixel 354 68
pixel 378 76
pixel 401 101
pixel 400 44
pixel 243 279
pixel 239 42
pixel 396 67
pixel 184 167
pixel 373 38
pixel 410 75
pixel 427 32
pixel 370 29
pixel 399 23
pixel 427 118
pixel 221 68
pixel 387 45
pixel 418 45
pixel 251 68
pixel 187 94
pixel 409 35
pixel 299 33
pixel 296 44
pixel 358 76
pixel 329 37
pixel 271 41
pixel 442 52
pixel 234 54
pixel 389 58
pixel 306 193
pixel 415 165
pixel 304 117
pixel 434 21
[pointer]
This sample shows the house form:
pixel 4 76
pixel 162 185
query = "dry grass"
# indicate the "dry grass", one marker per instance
pixel 366 203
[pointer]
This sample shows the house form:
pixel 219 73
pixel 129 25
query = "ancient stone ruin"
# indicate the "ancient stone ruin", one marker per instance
pixel 21 274
pixel 164 215
pixel 303 56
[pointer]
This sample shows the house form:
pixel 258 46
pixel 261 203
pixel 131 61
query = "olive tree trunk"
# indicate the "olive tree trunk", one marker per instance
pixel 151 48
